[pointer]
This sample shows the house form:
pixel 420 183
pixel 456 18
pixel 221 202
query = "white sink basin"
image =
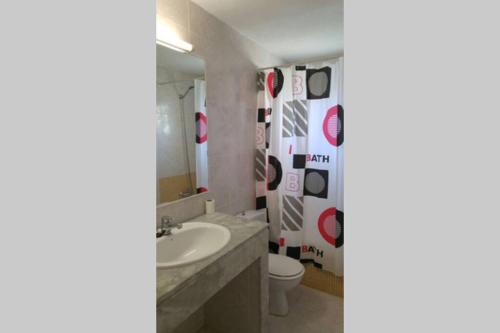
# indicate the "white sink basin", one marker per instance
pixel 194 242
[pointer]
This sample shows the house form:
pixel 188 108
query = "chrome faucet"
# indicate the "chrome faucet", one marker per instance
pixel 166 226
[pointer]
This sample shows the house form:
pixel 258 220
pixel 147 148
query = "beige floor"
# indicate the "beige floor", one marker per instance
pixel 310 311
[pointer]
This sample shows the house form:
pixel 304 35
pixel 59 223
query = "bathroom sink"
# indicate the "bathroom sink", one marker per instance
pixel 194 242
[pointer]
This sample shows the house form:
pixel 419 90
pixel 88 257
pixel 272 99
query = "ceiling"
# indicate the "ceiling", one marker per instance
pixel 294 30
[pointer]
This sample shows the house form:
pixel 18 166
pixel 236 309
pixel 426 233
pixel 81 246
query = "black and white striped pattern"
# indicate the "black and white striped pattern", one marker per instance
pixel 261 77
pixel 293 213
pixel 260 167
pixel 295 118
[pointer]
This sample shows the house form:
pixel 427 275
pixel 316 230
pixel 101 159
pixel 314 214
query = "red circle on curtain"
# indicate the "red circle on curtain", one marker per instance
pixel 270 83
pixel 275 80
pixel 201 189
pixel 201 128
pixel 327 224
pixel 330 125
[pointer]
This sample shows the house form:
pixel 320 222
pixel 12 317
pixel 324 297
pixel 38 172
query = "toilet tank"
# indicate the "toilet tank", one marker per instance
pixel 259 215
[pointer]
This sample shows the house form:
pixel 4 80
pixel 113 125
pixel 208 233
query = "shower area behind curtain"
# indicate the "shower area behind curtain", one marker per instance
pixel 299 161
pixel 181 137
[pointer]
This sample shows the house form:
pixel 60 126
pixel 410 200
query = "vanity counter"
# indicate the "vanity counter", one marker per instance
pixel 170 280
pixel 180 291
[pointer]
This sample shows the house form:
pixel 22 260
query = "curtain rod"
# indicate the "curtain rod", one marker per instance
pixel 302 63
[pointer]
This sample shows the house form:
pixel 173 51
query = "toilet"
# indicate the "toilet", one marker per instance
pixel 285 273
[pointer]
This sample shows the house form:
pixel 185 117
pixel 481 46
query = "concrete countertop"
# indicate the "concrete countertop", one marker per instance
pixel 171 280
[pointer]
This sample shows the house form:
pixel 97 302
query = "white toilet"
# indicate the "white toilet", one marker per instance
pixel 285 273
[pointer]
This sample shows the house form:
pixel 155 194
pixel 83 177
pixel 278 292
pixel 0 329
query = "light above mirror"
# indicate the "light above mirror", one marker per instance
pixel 179 45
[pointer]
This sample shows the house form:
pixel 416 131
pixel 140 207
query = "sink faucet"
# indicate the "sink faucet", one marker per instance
pixel 166 226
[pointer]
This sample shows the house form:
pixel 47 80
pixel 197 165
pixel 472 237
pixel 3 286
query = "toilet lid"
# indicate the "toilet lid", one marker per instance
pixel 284 266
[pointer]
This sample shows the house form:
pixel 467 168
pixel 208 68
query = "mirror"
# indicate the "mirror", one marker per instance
pixel 181 125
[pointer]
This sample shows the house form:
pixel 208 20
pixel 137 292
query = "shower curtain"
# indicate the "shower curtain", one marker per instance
pixel 299 161
pixel 200 109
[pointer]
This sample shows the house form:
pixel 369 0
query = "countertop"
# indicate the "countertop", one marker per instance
pixel 171 280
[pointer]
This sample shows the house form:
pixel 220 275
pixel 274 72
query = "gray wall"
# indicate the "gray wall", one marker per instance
pixel 231 63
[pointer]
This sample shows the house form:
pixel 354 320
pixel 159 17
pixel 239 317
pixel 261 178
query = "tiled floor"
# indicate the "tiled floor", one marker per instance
pixel 310 311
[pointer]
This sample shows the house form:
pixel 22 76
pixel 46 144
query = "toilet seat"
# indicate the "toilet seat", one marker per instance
pixel 284 268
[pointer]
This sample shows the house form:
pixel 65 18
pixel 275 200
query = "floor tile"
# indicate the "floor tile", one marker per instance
pixel 310 311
